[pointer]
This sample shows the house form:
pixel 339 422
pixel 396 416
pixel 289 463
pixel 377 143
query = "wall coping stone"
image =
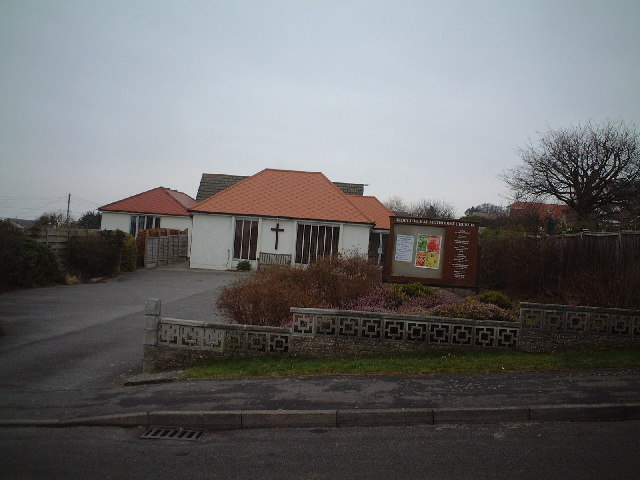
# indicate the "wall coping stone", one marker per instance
pixel 396 316
pixel 565 308
pixel 224 326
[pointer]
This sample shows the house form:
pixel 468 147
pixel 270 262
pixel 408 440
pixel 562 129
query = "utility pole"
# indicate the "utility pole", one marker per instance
pixel 68 204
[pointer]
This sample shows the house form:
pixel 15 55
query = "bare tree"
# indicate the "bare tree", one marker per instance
pixel 397 205
pixel 595 169
pixel 432 209
pixel 487 208
pixel 421 208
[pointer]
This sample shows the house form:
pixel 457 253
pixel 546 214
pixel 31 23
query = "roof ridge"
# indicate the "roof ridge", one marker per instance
pixel 168 191
pixel 291 171
pixel 130 196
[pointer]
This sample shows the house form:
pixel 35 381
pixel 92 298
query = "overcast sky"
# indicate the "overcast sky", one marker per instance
pixel 420 99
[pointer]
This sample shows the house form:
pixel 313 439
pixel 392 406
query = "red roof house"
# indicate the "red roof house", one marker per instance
pixel 544 211
pixel 157 208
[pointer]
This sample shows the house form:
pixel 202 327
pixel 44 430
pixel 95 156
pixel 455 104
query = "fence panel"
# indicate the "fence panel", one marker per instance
pixel 57 239
pixel 165 249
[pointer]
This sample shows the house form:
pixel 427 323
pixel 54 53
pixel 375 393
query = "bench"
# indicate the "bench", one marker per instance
pixel 268 259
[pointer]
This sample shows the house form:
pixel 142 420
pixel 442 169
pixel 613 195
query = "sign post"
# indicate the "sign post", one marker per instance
pixel 433 251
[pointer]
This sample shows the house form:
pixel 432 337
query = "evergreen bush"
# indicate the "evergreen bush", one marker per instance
pixel 243 266
pixel 106 253
pixel 23 261
pixel 414 290
pixel 495 297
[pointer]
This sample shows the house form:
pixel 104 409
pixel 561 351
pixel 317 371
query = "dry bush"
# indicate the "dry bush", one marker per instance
pixel 265 297
pixel 604 286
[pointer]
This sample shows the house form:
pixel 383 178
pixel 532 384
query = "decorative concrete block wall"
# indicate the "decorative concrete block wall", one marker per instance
pixel 548 327
pixel 173 343
pixel 419 330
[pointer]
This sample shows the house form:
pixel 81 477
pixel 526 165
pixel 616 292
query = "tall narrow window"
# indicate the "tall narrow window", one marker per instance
pixel 315 241
pixel 245 243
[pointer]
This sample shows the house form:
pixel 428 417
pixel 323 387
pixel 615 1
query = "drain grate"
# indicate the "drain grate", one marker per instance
pixel 172 434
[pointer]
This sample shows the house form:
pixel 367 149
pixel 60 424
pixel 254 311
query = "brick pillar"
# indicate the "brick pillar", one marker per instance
pixel 152 310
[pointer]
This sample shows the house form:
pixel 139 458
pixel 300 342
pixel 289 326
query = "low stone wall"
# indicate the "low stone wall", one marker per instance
pixel 174 343
pixel 322 332
pixel 547 327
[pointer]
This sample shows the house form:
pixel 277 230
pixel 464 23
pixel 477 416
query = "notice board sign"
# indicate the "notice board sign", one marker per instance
pixel 434 251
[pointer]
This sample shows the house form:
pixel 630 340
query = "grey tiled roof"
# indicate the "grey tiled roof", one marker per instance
pixel 212 183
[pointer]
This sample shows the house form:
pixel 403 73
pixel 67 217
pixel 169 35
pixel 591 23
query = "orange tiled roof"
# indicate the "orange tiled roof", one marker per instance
pixel 286 194
pixel 160 201
pixel 374 209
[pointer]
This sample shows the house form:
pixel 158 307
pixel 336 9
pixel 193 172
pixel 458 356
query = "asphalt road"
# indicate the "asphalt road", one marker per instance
pixel 502 451
pixel 78 337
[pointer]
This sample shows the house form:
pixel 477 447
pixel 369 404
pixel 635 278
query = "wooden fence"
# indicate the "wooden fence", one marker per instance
pixel 166 248
pixel 57 239
pixel 612 249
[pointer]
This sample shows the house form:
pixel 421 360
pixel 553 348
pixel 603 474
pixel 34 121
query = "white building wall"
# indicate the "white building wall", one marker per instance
pixel 122 221
pixel 267 238
pixel 178 223
pixel 212 241
pixel 355 239
pixel 115 221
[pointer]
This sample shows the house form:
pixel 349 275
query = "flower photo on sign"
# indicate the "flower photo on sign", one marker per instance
pixel 428 250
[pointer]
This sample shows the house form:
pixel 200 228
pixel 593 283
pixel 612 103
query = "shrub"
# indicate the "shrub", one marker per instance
pixel 265 297
pixel 128 258
pixel 71 280
pixel 414 290
pixel 25 262
pixel 390 299
pixel 106 253
pixel 473 310
pixel 243 266
pixel 495 297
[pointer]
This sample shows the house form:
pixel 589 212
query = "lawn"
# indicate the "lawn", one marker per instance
pixel 422 363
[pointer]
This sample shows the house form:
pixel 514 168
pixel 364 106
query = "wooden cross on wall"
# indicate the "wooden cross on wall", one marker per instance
pixel 277 229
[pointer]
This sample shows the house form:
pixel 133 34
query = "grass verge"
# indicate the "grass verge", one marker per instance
pixel 422 363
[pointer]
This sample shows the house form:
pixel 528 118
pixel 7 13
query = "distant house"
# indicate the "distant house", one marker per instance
pixel 157 208
pixel 562 214
pixel 282 216
pixel 20 223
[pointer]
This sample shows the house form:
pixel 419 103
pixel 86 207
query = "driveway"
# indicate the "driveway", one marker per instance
pixel 91 335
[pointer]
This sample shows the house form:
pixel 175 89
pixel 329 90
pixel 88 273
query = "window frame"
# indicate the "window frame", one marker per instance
pixel 316 240
pixel 245 238
pixel 148 221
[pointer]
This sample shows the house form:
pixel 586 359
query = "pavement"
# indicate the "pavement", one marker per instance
pixel 70 357
pixel 168 400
